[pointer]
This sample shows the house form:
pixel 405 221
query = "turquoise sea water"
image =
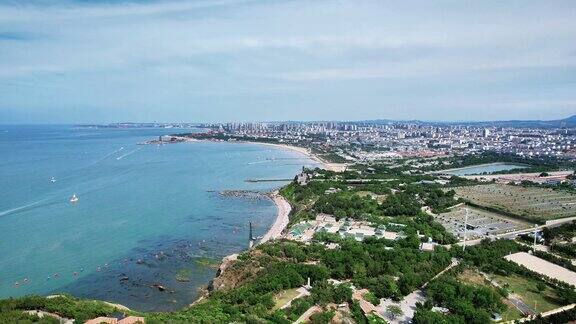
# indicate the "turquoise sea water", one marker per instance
pixel 144 212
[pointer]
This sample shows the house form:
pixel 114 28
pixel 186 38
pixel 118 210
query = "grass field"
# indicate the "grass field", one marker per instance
pixel 472 277
pixel 283 297
pixel 541 301
pixel 379 198
pixel 511 313
pixel 533 204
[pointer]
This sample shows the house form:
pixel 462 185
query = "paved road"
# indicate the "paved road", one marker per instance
pixel 408 304
pixel 520 305
pixel 512 298
pixel 301 293
pixel 306 316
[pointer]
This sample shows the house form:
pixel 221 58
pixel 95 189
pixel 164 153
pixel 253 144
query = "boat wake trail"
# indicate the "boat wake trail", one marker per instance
pixel 105 157
pixel 258 162
pixel 109 155
pixel 21 208
pixel 128 154
pixel 93 163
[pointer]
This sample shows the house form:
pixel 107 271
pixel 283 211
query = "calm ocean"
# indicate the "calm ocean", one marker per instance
pixel 145 213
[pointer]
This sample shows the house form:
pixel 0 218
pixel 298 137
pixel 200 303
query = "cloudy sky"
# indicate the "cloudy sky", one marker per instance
pixel 222 60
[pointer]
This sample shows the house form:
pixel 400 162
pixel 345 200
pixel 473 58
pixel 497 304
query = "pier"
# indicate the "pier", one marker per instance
pixel 266 180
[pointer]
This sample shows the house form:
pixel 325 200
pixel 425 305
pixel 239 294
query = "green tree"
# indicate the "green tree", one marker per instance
pixel 394 311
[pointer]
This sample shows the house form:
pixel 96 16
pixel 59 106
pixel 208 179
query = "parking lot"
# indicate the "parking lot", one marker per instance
pixel 481 223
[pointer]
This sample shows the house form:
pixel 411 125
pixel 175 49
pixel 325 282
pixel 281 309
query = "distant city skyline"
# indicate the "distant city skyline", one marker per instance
pixel 67 61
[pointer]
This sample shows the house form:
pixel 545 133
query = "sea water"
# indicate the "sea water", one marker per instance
pixel 145 213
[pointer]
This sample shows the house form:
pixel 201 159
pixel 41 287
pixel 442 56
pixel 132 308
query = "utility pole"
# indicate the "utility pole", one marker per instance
pixel 535 231
pixel 465 228
pixel 251 238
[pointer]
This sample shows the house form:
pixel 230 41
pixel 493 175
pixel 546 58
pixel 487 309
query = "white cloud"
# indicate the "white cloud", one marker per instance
pixel 254 48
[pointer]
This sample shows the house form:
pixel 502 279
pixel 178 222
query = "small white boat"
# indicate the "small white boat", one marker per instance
pixel 73 199
pixel 52 179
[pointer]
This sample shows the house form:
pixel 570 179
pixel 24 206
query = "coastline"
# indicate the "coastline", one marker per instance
pixel 282 217
pixel 331 166
pixel 283 206
pixel 336 167
pixel 276 229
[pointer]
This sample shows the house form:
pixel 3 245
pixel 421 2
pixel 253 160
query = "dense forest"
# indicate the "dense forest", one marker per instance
pixel 467 304
pixel 63 305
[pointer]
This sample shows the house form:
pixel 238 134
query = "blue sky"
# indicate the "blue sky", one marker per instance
pixel 242 60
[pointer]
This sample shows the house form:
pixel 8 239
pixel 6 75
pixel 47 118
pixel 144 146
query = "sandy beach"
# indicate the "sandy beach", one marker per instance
pixel 275 231
pixel 336 167
pixel 283 206
pixel 282 218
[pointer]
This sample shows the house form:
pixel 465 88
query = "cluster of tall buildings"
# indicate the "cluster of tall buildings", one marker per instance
pixel 371 140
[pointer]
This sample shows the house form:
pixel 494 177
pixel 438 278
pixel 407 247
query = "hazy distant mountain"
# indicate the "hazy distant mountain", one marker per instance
pixel 566 122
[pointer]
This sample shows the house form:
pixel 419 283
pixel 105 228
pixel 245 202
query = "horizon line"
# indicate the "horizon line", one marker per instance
pixel 299 121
